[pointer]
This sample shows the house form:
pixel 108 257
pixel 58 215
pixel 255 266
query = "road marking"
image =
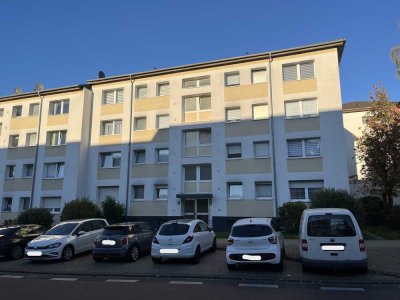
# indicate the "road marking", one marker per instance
pixel 11 276
pixel 271 286
pixel 63 279
pixel 332 288
pixel 186 282
pixel 122 280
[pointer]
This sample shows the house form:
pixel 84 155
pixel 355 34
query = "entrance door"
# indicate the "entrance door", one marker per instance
pixel 196 209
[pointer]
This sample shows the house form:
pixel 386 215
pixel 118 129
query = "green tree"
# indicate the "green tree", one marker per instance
pixel 40 216
pixel 112 210
pixel 80 208
pixel 395 56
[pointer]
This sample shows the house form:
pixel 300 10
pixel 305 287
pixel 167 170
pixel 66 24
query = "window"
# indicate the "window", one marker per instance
pixel 234 150
pixel 305 190
pixel 232 79
pixel 196 82
pixel 110 160
pixel 233 114
pixel 111 127
pixel 24 204
pixel 141 91
pixel 57 138
pixel 140 123
pixel 162 155
pixel 7 204
pixel 260 111
pixel 162 121
pixel 31 139
pixel 1 112
pixel 140 156
pixel 197 143
pixel 138 192
pixel 54 170
pixel 197 103
pixel 304 148
pixel 59 107
pixel 34 109
pixel 301 109
pixel 261 149
pixel 259 75
pixel 27 170
pixel 10 171
pixel 263 189
pixel 162 192
pixel 53 205
pixel 235 190
pixel 17 111
pixel 13 141
pixel 198 173
pixel 163 89
pixel 298 71
pixel 113 96
pixel 107 191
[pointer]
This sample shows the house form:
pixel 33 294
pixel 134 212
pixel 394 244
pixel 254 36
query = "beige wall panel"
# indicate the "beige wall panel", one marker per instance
pixel 242 92
pixel 110 140
pixel 190 187
pixel 55 151
pixel 247 128
pixel 204 116
pixel 250 208
pixel 248 166
pixel 305 165
pixel 190 117
pixel 111 173
pixel 153 103
pixel 24 123
pixel 7 215
pixel 149 171
pixel 57 120
pixel 205 150
pixel 154 136
pixel 307 124
pixel 205 187
pixel 21 153
pixel 112 109
pixel 52 184
pixel 299 86
pixel 18 184
pixel 190 151
pixel 148 208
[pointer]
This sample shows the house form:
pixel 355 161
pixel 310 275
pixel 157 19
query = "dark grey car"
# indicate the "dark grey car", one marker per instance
pixel 124 240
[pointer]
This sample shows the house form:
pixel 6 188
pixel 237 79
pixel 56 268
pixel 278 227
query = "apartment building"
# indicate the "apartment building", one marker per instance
pixel 216 140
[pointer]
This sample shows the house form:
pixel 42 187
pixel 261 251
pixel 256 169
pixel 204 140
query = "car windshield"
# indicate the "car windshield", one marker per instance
pixel 330 226
pixel 251 230
pixel 116 230
pixel 174 229
pixel 8 230
pixel 62 229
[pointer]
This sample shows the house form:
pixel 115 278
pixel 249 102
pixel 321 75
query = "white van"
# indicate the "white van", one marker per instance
pixel 331 237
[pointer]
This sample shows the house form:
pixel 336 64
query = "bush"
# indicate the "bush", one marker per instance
pixel 81 208
pixel 40 216
pixel 112 210
pixel 394 219
pixel 372 210
pixel 290 214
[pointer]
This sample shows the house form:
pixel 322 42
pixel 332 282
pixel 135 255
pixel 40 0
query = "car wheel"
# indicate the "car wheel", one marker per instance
pixel 98 258
pixel 214 245
pixel 231 267
pixel 133 253
pixel 196 257
pixel 67 253
pixel 17 252
pixel 156 260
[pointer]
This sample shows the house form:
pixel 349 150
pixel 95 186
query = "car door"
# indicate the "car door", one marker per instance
pixel 82 242
pixel 199 235
pixel 278 233
pixel 207 236
pixel 147 235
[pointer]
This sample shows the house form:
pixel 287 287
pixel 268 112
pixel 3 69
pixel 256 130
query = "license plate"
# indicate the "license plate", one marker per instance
pixel 332 247
pixel 169 251
pixel 251 257
pixel 108 242
pixel 34 253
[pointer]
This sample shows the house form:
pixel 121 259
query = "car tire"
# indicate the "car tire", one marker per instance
pixel 17 252
pixel 133 253
pixel 98 258
pixel 67 253
pixel 231 267
pixel 156 260
pixel 196 256
pixel 214 245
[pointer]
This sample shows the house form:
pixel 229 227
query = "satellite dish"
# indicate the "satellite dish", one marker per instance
pixel 101 74
pixel 17 91
pixel 39 87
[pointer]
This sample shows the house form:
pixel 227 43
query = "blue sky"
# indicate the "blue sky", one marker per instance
pixel 66 42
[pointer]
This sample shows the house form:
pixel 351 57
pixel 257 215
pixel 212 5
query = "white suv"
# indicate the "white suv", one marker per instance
pixel 255 241
pixel 65 240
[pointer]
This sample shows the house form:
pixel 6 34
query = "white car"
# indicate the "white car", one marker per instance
pixel 65 240
pixel 255 241
pixel 331 237
pixel 183 239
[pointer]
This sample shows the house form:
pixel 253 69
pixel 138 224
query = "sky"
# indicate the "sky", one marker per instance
pixel 66 42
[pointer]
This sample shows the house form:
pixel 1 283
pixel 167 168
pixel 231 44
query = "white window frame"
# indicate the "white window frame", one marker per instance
pixel 11 140
pixel 137 94
pixel 113 122
pixel 261 183
pixel 32 111
pixel 27 140
pixel 63 105
pixel 135 120
pixel 59 171
pixel 306 186
pixel 262 142
pixel 113 155
pixel 24 170
pixel 135 187
pixel 229 185
pixel 17 111
pixel 158 121
pixel 198 109
pixel 253 114
pixel 303 147
pixel 135 153
pixel 298 75
pixel 301 113
pixel 258 70
pixel 158 155
pixel 10 169
pixel 229 109
pixel 159 187
pixel 226 75
pixel 233 145
pixel 197 144
pixel 159 85
pixel 59 138
pixel 115 96
pixel 198 179
pixel 197 81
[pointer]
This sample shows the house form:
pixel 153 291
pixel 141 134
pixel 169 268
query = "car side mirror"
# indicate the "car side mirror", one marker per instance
pixel 81 232
pixel 210 229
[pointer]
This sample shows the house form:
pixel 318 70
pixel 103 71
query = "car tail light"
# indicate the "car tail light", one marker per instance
pixel 362 245
pixel 155 241
pixel 273 239
pixel 124 241
pixel 304 245
pixel 188 239
pixel 230 241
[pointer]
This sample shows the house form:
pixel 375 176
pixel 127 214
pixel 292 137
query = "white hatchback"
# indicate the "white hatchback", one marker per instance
pixel 183 239
pixel 255 241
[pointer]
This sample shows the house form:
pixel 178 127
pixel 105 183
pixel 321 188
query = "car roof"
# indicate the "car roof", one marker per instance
pixel 246 221
pixel 81 220
pixel 184 221
pixel 126 224
pixel 318 211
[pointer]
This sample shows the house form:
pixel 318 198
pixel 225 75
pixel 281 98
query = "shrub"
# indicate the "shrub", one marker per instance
pixel 372 210
pixel 394 219
pixel 80 208
pixel 290 214
pixel 40 216
pixel 9 222
pixel 112 210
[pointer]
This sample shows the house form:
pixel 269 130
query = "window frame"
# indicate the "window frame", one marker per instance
pixel 63 106
pixel 261 142
pixel 158 121
pixel 253 115
pixel 102 164
pixel 141 86
pixel 261 183
pixel 11 138
pixel 114 122
pixel 233 145
pixel 298 73
pixel 233 108
pixel 306 186
pixel 31 109
pixel 258 70
pixel 59 138
pixel 17 111
pixel 135 121
pixel 159 187
pixel 135 153
pixel 158 155
pixel 115 96
pixel 25 168
pixel 159 85
pixel 197 81
pixel 198 144
pixel 227 74
pixel 27 139
pixel 58 169
pixel 135 187
pixel 301 113
pixel 303 148
pixel 10 168
pixel 231 184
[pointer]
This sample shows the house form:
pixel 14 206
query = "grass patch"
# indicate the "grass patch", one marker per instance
pixel 380 231
pixel 289 235
pixel 222 235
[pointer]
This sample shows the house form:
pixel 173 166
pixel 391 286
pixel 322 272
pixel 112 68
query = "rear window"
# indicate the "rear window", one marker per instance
pixel 174 229
pixel 8 231
pixel 251 230
pixel 116 230
pixel 330 226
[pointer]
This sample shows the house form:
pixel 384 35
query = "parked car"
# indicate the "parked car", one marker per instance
pixel 13 239
pixel 183 239
pixel 127 240
pixel 255 241
pixel 65 240
pixel 331 237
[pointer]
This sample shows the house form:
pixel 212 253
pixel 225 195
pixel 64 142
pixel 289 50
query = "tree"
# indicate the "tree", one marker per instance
pixel 112 210
pixel 80 208
pixel 395 55
pixel 379 147
pixel 40 216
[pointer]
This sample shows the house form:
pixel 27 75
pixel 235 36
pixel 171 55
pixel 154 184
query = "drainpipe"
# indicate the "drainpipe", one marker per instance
pixel 132 80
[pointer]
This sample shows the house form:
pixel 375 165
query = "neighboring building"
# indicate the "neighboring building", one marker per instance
pixel 217 140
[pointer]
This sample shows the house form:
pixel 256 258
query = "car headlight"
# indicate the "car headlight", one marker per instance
pixel 52 246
